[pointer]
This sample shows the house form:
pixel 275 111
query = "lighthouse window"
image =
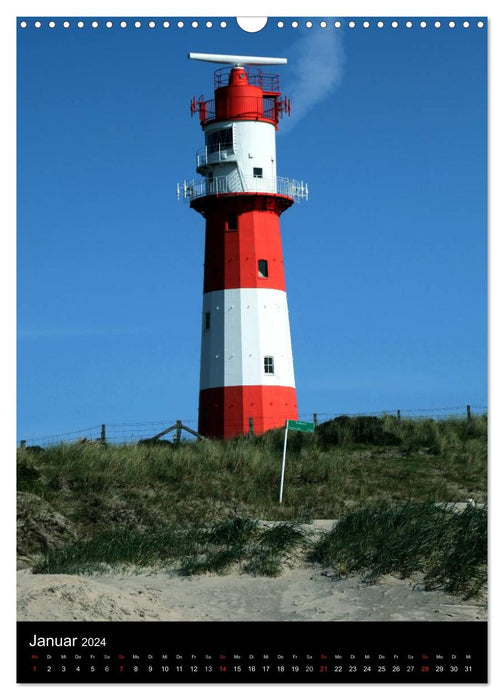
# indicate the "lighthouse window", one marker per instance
pixel 268 365
pixel 232 222
pixel 219 140
pixel 258 172
pixel 262 268
pixel 207 320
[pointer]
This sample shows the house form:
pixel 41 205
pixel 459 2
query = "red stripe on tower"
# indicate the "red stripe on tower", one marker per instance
pixel 247 373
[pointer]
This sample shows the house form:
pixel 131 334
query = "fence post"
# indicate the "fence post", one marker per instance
pixel 398 414
pixel 251 426
pixel 468 412
pixel 315 420
pixel 178 434
pixel 102 434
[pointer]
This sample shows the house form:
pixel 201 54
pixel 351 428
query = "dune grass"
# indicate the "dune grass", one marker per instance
pixel 197 505
pixel 347 462
pixel 189 551
pixel 447 544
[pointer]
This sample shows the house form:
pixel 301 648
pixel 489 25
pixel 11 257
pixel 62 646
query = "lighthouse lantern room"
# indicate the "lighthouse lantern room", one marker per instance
pixel 247 372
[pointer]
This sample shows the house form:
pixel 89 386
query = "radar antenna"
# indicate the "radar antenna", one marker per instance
pixel 237 60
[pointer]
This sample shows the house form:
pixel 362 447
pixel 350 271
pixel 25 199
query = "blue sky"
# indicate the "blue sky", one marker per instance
pixel 385 264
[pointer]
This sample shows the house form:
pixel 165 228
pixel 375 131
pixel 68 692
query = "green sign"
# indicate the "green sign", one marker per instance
pixel 305 426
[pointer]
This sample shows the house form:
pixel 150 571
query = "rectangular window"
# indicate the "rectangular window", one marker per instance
pixel 262 268
pixel 232 222
pixel 258 172
pixel 219 140
pixel 207 320
pixel 268 365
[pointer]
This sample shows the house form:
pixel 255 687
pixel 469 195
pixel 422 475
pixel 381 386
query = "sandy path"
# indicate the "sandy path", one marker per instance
pixel 300 593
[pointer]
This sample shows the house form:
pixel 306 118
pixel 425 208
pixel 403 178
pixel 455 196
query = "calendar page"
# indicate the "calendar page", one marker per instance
pixel 252 408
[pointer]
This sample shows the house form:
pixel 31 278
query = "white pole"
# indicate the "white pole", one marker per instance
pixel 283 461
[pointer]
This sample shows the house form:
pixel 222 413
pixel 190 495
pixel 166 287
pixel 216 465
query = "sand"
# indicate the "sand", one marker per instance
pixel 301 592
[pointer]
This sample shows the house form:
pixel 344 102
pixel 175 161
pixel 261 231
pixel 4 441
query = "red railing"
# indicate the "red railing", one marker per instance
pixel 269 82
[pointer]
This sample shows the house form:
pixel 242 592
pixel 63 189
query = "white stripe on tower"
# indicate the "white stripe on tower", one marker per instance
pixel 240 328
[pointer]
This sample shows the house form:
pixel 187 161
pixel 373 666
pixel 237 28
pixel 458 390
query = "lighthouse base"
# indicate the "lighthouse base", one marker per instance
pixel 225 412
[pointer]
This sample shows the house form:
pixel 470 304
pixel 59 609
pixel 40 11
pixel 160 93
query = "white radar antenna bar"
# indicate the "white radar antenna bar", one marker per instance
pixel 237 60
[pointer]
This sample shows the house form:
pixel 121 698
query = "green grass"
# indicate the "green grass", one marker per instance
pixel 348 462
pixel 197 505
pixel 191 550
pixel 446 544
pixel 120 547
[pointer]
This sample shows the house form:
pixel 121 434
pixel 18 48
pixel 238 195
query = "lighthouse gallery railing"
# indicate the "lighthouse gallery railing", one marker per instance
pixel 192 189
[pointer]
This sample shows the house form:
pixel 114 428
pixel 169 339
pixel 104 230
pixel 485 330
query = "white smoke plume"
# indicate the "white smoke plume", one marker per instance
pixel 316 63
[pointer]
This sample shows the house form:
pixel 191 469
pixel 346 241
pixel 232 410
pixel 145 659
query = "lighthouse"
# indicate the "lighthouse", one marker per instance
pixel 247 370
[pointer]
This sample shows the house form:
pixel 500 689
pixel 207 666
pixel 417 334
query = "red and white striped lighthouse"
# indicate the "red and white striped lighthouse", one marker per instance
pixel 247 372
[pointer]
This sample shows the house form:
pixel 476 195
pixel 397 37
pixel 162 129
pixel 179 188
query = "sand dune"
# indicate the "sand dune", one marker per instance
pixel 300 593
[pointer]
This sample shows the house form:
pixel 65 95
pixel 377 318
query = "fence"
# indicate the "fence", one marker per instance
pixel 124 433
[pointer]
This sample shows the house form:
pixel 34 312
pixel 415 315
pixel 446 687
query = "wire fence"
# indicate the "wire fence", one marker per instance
pixel 127 433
